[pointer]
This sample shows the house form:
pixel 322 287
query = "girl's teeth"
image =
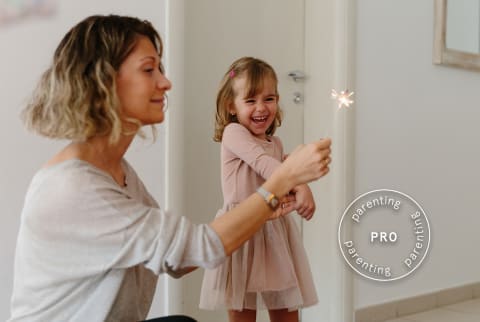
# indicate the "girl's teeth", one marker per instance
pixel 259 119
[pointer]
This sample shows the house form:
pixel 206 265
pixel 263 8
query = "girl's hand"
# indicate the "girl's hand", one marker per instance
pixel 287 205
pixel 304 204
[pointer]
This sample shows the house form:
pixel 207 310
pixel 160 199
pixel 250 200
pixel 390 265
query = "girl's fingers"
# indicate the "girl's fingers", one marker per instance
pixel 288 198
pixel 283 209
pixel 287 207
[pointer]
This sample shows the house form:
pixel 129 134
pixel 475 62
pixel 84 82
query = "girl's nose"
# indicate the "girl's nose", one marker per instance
pixel 261 106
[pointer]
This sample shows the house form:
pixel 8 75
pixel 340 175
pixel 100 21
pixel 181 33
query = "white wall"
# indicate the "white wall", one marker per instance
pixel 417 132
pixel 27 48
pixel 329 57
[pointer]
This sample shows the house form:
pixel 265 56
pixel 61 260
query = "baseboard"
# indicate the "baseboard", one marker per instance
pixel 416 304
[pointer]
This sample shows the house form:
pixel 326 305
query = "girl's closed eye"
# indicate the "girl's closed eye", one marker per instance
pixel 250 101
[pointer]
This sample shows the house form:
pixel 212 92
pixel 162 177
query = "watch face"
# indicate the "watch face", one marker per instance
pixel 270 198
pixel 274 202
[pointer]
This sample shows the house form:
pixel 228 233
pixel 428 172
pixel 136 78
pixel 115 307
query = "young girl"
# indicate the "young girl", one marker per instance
pixel 270 270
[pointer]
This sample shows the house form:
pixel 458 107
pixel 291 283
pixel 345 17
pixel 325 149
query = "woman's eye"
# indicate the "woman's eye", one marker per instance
pixel 150 70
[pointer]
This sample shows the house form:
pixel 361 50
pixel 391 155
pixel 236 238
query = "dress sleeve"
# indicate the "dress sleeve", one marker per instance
pixel 238 140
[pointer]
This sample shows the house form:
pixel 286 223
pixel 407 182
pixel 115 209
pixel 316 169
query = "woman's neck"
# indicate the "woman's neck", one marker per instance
pixel 98 152
pixel 106 156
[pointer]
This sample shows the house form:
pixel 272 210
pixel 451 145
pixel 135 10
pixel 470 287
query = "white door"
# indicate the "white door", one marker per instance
pixel 273 30
pixel 217 32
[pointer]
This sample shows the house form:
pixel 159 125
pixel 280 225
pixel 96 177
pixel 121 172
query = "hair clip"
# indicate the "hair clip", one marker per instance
pixel 231 74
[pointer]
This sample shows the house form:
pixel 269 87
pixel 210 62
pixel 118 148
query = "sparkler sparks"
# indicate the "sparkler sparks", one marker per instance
pixel 343 98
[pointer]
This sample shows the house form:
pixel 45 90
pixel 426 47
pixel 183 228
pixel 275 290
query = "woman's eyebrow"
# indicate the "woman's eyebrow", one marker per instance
pixel 148 58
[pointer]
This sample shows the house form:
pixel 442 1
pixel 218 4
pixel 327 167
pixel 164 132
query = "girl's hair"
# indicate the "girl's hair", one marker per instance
pixel 255 72
pixel 76 97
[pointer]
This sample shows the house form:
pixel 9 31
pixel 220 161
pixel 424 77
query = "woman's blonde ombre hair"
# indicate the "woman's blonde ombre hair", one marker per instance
pixel 76 97
pixel 255 72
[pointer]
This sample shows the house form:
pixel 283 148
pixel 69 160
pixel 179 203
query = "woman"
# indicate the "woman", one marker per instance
pixel 92 240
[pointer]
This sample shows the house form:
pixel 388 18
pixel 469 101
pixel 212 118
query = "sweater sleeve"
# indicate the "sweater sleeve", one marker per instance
pixel 165 243
pixel 238 140
pixel 84 225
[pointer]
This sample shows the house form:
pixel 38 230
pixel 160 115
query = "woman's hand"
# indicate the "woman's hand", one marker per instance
pixel 305 203
pixel 308 162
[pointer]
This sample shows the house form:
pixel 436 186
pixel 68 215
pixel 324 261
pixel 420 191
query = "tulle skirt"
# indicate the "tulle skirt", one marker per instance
pixel 270 271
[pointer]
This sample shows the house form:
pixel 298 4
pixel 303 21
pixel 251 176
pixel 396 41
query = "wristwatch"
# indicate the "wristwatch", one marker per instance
pixel 269 198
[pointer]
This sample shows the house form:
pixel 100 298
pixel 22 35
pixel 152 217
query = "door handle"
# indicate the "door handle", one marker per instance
pixel 296 75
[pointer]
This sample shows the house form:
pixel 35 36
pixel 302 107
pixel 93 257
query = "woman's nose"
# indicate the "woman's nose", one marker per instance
pixel 163 82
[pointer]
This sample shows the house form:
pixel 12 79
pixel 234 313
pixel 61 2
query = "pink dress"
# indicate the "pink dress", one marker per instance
pixel 271 269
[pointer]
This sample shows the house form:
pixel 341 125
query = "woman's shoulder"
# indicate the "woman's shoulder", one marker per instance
pixel 58 187
pixel 69 175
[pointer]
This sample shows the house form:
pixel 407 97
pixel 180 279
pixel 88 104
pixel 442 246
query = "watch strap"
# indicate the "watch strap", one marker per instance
pixel 269 197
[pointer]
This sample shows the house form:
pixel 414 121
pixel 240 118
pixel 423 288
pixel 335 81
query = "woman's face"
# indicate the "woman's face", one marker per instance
pixel 141 85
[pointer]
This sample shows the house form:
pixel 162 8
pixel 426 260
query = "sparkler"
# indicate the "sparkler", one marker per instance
pixel 343 98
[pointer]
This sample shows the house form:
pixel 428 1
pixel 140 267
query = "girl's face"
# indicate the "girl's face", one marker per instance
pixel 256 113
pixel 141 86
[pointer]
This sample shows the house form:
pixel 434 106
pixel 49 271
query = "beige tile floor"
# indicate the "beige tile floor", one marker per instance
pixel 468 311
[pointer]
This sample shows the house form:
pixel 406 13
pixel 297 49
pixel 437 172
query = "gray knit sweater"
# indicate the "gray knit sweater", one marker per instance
pixel 90 250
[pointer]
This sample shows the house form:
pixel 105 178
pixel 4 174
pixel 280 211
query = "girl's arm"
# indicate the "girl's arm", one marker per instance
pixel 304 202
pixel 306 163
pixel 237 139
